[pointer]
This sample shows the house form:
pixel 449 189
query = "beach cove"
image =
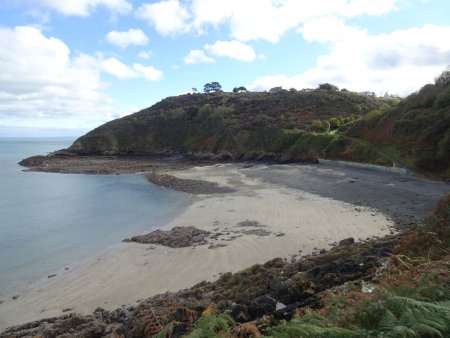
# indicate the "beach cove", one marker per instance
pixel 264 215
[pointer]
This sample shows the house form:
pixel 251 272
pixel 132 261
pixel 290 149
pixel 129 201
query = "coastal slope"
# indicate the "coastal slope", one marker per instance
pixel 279 126
pixel 282 127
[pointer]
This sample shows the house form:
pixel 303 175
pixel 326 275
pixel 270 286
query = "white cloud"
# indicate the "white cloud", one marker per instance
pixel 122 71
pixel 168 17
pixel 369 7
pixel 252 19
pixel 145 54
pixel 205 12
pixel 42 84
pixel 86 7
pixel 197 56
pixel 38 77
pixel 232 49
pixel 399 62
pixel 149 73
pixel 328 29
pixel 127 38
pixel 118 69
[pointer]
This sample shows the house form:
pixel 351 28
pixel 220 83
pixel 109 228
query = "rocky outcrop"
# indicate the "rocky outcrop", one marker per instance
pixel 62 163
pixel 186 185
pixel 177 237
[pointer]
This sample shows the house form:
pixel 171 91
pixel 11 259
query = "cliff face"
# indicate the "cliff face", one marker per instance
pixel 231 126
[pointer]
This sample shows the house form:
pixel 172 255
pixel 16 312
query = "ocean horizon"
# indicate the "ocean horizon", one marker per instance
pixel 51 222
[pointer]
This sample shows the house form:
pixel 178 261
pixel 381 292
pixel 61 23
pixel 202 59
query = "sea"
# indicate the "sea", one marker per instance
pixel 53 223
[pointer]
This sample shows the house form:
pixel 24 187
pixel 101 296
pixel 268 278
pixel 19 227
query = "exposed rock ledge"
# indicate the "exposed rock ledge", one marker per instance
pixel 186 185
pixel 103 164
pixel 178 237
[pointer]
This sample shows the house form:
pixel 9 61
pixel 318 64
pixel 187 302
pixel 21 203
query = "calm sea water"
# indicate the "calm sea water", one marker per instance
pixel 50 221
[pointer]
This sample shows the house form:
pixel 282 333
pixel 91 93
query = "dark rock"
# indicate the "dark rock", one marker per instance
pixel 261 305
pixel 257 232
pixel 275 284
pixel 240 313
pixel 178 237
pixel 274 263
pixel 254 224
pixel 347 241
pixel 186 185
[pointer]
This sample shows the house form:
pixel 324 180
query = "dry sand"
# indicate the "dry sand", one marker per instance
pixel 303 222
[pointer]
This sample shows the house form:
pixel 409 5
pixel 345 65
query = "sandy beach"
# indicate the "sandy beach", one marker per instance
pixel 255 223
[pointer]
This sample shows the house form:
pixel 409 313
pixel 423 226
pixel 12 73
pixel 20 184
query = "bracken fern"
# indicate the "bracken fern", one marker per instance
pixel 212 326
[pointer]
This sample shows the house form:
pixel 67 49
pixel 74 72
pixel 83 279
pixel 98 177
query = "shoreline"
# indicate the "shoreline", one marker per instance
pixel 137 271
pixel 284 221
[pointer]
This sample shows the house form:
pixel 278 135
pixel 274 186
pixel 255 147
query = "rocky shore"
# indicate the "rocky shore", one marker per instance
pixel 190 236
pixel 273 290
pixel 66 164
pixel 178 237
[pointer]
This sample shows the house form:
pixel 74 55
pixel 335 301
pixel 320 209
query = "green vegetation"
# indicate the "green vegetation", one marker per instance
pixel 240 89
pixel 289 125
pixel 328 86
pixel 416 132
pixel 212 326
pixel 244 126
pixel 212 87
pixel 310 324
pixel 385 313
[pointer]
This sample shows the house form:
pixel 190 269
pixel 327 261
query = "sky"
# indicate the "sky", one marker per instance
pixel 68 66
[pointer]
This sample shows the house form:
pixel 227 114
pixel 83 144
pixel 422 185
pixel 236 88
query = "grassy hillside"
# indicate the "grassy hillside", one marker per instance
pixel 416 133
pixel 287 125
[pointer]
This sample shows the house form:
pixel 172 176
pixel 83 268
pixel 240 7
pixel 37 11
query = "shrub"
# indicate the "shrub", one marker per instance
pixel 429 164
pixel 212 326
pixel 310 325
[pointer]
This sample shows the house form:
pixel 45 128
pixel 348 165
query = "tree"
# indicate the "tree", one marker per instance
pixel 194 90
pixel 212 87
pixel 328 86
pixel 320 126
pixel 335 123
pixel 444 78
pixel 240 89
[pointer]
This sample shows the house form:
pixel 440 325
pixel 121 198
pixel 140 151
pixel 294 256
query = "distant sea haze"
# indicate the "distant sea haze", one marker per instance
pixel 51 222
